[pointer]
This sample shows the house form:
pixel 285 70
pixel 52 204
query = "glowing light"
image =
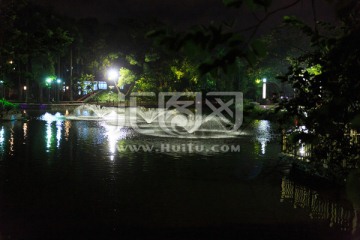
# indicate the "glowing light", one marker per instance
pixel 58 133
pixel 263 146
pixel 11 141
pixel 302 150
pixel 25 129
pixel 257 81
pixel 51 118
pixel 25 88
pixel 264 90
pixel 2 133
pixel 113 74
pixel 303 129
pixel 48 135
pixel 58 80
pixel 114 134
pixel 263 134
pixel 48 80
pixel 67 130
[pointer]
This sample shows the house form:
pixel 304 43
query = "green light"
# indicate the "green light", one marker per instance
pixel 48 80
pixel 315 70
pixel 258 81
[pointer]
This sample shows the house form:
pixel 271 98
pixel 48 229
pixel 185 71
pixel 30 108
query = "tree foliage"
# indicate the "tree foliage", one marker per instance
pixel 327 85
pixel 32 40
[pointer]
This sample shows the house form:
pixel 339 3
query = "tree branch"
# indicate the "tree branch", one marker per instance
pixel 257 26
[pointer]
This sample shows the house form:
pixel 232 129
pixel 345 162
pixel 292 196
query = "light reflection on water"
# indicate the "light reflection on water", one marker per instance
pixel 2 139
pixel 25 129
pixel 317 207
pixel 67 129
pixel 48 135
pixel 263 134
pixel 58 133
pixel 114 134
pixel 84 145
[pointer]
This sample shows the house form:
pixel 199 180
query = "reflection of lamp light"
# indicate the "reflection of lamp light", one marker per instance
pixel 2 134
pixel 263 132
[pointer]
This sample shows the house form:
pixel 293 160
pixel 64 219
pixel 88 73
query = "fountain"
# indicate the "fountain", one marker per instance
pixel 94 112
pixel 150 114
pixel 51 117
pixel 158 122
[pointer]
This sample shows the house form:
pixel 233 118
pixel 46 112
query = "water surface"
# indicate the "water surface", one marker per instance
pixel 69 179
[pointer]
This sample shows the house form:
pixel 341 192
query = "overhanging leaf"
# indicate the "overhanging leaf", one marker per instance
pixel 233 3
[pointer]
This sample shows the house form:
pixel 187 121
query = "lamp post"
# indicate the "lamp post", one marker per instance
pixel 48 81
pixel 25 88
pixel 264 80
pixel 113 75
pixel 2 89
pixel 58 81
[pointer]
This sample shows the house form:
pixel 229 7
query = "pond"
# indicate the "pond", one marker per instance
pixel 63 178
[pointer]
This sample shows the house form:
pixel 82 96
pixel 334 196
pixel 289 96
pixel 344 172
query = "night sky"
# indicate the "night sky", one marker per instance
pixel 181 13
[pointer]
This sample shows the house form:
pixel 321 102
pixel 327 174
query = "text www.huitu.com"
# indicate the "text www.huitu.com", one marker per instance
pixel 184 148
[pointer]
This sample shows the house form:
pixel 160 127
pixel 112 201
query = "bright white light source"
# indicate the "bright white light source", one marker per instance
pixel 302 150
pixel 264 91
pixel 2 135
pixel 113 74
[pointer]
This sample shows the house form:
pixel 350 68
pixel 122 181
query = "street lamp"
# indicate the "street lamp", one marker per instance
pixel 24 93
pixel 58 81
pixel 264 88
pixel 48 81
pixel 113 75
pixel 2 88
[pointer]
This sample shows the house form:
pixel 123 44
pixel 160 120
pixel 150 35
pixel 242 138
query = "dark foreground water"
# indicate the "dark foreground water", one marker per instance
pixel 77 180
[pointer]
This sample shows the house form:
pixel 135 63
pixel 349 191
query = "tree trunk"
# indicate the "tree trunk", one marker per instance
pixel 41 92
pixel 71 76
